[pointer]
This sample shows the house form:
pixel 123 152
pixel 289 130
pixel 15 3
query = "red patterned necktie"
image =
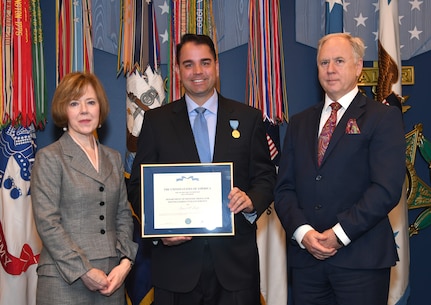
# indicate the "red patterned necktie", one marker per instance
pixel 327 130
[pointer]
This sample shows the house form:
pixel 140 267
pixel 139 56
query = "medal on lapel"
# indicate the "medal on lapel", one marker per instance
pixel 234 125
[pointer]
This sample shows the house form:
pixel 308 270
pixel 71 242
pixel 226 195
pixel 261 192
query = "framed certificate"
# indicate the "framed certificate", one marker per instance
pixel 186 199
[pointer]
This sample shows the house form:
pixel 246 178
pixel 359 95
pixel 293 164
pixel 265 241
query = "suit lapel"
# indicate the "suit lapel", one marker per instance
pixel 105 164
pixel 354 111
pixel 80 162
pixel 223 128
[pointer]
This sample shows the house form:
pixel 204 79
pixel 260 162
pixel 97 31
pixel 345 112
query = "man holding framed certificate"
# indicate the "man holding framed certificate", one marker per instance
pixel 203 268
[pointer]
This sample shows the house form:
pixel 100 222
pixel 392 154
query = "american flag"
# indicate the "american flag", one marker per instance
pixel 361 18
pixel 272 147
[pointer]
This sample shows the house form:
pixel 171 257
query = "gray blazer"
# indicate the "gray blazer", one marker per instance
pixel 81 215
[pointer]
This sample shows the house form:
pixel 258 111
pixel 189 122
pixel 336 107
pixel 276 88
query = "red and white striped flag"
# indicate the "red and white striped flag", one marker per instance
pixel 273 151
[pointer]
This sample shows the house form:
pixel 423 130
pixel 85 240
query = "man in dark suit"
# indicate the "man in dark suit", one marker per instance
pixel 208 270
pixel 334 206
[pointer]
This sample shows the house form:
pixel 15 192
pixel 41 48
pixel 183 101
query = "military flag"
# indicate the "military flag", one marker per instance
pixel 266 90
pixel 22 111
pixel 271 240
pixel 74 39
pixel 139 61
pixel 389 92
pixel 19 242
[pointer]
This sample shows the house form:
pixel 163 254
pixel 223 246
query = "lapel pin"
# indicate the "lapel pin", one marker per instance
pixel 234 125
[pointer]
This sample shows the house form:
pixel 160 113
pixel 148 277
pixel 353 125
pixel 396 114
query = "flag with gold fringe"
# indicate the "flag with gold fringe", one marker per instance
pixel 267 92
pixel 389 92
pixel 22 112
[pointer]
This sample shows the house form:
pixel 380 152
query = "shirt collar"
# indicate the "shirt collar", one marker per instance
pixel 344 101
pixel 211 104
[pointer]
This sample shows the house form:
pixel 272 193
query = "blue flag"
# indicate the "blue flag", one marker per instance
pixel 334 16
pixel 360 18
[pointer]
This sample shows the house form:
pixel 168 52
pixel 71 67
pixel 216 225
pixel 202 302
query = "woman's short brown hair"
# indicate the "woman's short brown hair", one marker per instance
pixel 72 87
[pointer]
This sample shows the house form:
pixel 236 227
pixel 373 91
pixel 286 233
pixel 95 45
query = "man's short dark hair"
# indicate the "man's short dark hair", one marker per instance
pixel 196 39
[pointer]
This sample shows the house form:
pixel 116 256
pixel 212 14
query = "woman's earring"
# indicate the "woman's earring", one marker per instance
pixel 64 128
pixel 100 125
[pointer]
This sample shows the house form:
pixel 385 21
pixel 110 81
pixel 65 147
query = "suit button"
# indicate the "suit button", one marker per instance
pixel 318 177
pixel 101 217
pixel 102 231
pixel 101 188
pixel 102 203
pixel 318 207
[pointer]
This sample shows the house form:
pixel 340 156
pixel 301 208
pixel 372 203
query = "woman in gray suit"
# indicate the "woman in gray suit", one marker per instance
pixel 80 204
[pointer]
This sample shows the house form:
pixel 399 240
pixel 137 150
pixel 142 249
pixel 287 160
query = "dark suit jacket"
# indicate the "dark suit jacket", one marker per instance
pixel 358 183
pixel 167 137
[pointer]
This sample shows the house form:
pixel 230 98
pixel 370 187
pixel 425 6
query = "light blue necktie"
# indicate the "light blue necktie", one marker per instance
pixel 200 131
